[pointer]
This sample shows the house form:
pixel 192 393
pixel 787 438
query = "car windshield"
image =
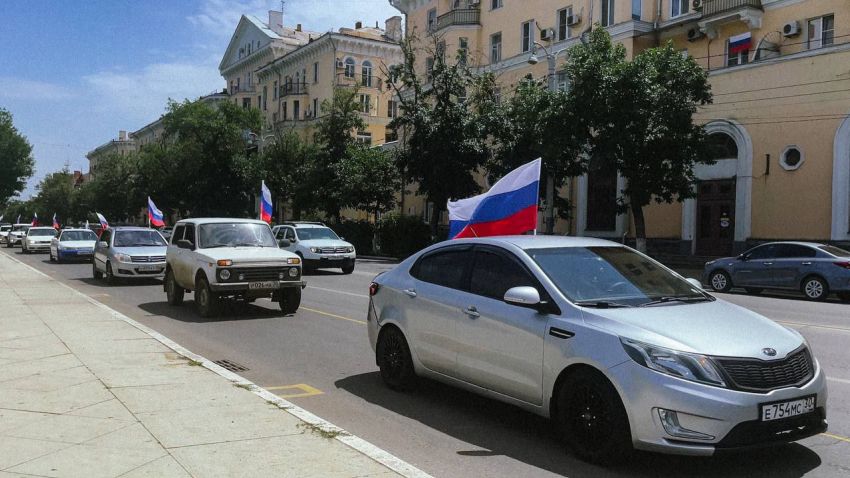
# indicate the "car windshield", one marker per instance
pixel 5 228
pixel 21 228
pixel 835 251
pixel 313 233
pixel 78 236
pixel 611 275
pixel 137 239
pixel 236 234
pixel 41 232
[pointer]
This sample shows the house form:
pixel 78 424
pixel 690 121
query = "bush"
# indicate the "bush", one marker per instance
pixel 400 236
pixel 358 233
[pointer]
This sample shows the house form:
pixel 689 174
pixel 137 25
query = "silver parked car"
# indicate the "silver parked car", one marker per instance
pixel 620 351
pixel 129 252
pixel 814 269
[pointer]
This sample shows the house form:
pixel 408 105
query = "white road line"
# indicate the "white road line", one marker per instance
pixel 839 380
pixel 337 291
pixel 390 461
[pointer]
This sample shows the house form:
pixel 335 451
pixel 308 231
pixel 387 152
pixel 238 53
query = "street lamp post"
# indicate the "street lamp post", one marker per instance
pixel 549 212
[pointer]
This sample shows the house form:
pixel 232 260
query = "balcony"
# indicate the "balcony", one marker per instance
pixel 719 12
pixel 364 81
pixel 293 89
pixel 459 17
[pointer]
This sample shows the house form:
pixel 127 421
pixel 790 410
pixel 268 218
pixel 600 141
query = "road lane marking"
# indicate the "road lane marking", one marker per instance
pixel 839 380
pixel 337 291
pixel 836 437
pixel 333 315
pixel 307 391
pixel 814 326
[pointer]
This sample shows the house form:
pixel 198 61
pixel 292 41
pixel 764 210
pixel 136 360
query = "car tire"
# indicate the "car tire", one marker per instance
pixel 110 276
pixel 96 274
pixel 395 361
pixel 753 290
pixel 290 300
pixel 845 297
pixel 173 291
pixel 815 288
pixel 206 300
pixel 587 398
pixel 720 281
pixel 348 269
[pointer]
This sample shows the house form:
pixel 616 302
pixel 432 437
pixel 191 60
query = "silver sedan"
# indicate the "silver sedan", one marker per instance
pixel 129 253
pixel 620 351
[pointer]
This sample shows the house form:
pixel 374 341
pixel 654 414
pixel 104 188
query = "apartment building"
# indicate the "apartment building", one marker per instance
pixel 153 133
pixel 780 72
pixel 122 145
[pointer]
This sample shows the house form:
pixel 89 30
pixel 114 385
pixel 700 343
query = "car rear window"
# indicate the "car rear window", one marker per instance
pixel 835 251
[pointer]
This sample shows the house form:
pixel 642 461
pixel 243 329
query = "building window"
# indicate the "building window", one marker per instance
pixel 602 200
pixel 432 19
pixel 296 109
pixel 274 91
pixel 821 31
pixel 364 137
pixel 367 74
pixel 741 57
pixel 366 103
pixel 494 4
pixel 636 8
pixel 563 81
pixel 238 84
pixel 527 36
pixel 304 78
pixel 315 108
pixel 284 111
pixel 607 13
pixel 429 69
pixel 349 67
pixel 679 7
pixel 246 103
pixel 564 30
pixel 390 135
pixel 274 118
pixel 792 158
pixel 722 146
pixel 265 97
pixel 463 47
pixel 392 109
pixel 316 72
pixel 496 47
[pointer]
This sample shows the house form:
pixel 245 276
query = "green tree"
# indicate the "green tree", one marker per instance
pixel 113 193
pixel 286 166
pixel 334 138
pixel 16 161
pixel 637 118
pixel 56 196
pixel 369 180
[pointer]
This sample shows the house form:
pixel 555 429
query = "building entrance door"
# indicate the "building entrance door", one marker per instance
pixel 715 217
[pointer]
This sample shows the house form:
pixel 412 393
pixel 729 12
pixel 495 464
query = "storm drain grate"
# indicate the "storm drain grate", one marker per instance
pixel 232 366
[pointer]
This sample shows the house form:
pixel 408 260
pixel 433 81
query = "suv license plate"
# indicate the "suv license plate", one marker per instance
pixel 150 269
pixel 786 409
pixel 263 285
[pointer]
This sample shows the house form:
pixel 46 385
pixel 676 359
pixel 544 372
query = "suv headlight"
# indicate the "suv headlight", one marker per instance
pixel 693 367
pixel 315 250
pixel 123 258
pixel 350 248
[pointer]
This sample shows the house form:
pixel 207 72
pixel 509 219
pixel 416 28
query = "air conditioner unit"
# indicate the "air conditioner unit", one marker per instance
pixel 473 3
pixel 573 20
pixel 695 34
pixel 791 29
pixel 339 64
pixel 697 5
pixel 547 34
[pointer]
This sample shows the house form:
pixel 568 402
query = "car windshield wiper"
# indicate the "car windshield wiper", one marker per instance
pixel 601 304
pixel 664 300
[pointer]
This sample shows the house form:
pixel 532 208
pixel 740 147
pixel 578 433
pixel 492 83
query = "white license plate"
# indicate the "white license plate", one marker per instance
pixel 149 268
pixel 263 285
pixel 791 408
pixel 334 258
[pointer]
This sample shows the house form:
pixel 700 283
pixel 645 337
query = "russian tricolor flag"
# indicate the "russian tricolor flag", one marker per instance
pixel 509 207
pixel 740 42
pixel 55 222
pixel 35 219
pixel 103 223
pixel 155 214
pixel 266 204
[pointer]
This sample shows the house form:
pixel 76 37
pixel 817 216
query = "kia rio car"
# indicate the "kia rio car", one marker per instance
pixel 620 351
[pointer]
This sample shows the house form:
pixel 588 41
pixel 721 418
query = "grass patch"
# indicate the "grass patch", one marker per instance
pixel 195 363
pixel 329 434
pixel 242 386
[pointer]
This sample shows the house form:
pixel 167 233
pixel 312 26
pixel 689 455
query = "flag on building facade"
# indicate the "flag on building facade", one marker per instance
pixel 155 214
pixel 103 223
pixel 34 219
pixel 266 204
pixel 509 207
pixel 740 42
pixel 55 222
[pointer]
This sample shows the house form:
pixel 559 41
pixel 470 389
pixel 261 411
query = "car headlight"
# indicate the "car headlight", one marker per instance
pixel 224 274
pixel 123 258
pixel 314 250
pixel 350 248
pixel 710 262
pixel 293 272
pixel 688 366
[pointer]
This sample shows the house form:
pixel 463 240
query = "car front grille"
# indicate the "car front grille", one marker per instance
pixel 763 376
pixel 252 274
pixel 333 250
pixel 146 259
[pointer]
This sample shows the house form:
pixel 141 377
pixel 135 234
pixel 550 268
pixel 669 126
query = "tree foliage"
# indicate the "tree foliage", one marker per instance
pixel 56 196
pixel 369 180
pixel 115 192
pixel 286 165
pixel 16 161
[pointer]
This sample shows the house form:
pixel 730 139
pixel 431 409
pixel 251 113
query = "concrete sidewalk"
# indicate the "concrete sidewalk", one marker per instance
pixel 85 391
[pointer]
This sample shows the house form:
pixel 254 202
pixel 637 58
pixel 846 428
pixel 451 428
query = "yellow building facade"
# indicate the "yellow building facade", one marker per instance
pixel 122 145
pixel 781 112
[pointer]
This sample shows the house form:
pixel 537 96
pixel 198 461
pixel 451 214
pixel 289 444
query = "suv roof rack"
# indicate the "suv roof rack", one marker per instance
pixel 303 223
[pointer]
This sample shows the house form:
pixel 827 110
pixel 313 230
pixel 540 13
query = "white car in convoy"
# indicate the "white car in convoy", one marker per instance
pixel 73 244
pixel 37 239
pixel 4 232
pixel 317 245
pixel 219 258
pixel 16 234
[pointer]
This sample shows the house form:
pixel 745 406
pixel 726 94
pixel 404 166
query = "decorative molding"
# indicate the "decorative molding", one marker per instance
pixel 794 56
pixel 680 20
pixel 621 224
pixel 774 4
pixel 751 16
pixel 840 223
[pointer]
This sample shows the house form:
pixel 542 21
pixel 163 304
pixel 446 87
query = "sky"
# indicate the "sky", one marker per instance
pixel 73 73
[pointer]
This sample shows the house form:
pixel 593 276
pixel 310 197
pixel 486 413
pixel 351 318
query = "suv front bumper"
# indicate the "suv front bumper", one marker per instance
pixel 245 286
pixel 329 262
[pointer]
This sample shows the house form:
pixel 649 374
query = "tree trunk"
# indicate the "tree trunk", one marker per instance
pixel 435 220
pixel 640 227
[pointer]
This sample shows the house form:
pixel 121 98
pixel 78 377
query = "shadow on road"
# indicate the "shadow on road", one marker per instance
pixel 230 311
pixel 501 429
pixel 119 283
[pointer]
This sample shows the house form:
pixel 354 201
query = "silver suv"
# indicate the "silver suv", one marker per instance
pixel 129 253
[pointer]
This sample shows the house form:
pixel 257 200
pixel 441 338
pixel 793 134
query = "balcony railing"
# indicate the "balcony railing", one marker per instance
pixel 293 89
pixel 460 16
pixel 717 7
pixel 365 81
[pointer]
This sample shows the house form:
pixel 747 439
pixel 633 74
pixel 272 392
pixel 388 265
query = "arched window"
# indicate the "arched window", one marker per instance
pixel 349 67
pixel 304 76
pixel 723 147
pixel 367 73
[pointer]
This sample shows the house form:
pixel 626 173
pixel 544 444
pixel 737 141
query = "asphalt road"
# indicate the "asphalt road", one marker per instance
pixel 320 359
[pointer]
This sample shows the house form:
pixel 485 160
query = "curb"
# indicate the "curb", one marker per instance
pixel 390 461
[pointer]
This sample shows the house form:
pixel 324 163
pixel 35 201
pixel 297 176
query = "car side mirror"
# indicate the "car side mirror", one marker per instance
pixel 102 244
pixel 185 244
pixel 284 243
pixel 523 297
pixel 341 238
pixel 694 282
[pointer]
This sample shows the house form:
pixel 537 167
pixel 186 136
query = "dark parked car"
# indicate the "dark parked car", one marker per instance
pixel 814 269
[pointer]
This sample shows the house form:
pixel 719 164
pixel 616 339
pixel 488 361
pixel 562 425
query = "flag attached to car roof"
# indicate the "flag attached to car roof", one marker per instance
pixel 155 214
pixel 103 223
pixel 87 224
pixel 509 207
pixel 266 204
pixel 34 219
pixel 740 42
pixel 19 219
pixel 55 222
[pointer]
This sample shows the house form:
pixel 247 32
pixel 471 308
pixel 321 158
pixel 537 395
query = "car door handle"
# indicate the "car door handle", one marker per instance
pixel 410 292
pixel 767 263
pixel 471 311
pixel 807 263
